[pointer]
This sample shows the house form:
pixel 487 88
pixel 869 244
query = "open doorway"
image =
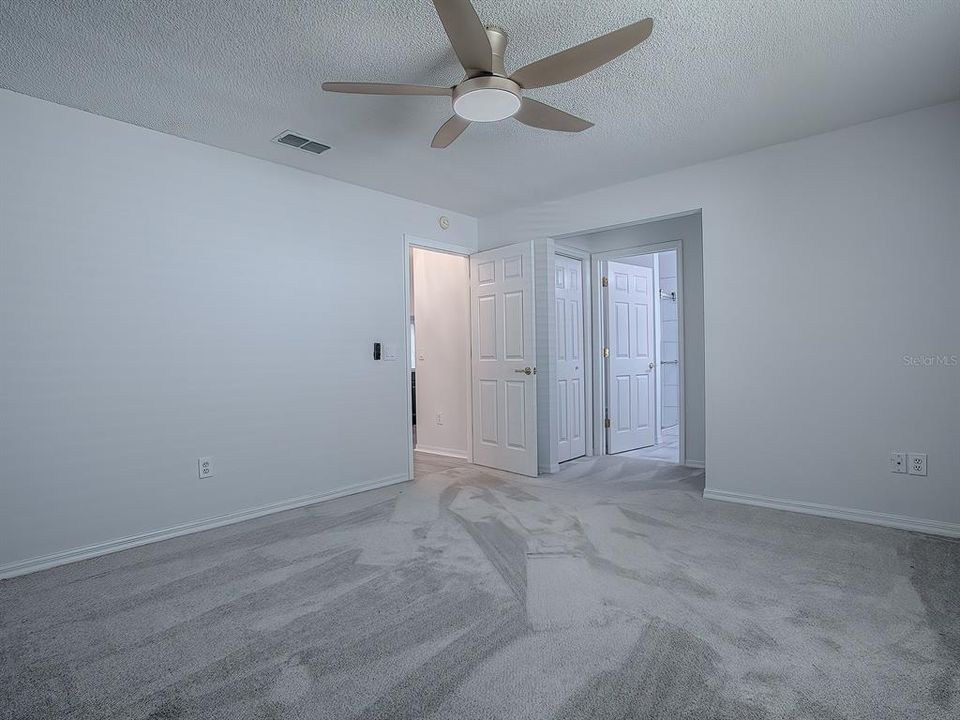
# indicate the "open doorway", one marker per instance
pixel 471 355
pixel 439 344
pixel 669 422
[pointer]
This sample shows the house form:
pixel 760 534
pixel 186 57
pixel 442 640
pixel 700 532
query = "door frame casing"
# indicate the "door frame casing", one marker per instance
pixel 586 284
pixel 597 263
pixel 410 242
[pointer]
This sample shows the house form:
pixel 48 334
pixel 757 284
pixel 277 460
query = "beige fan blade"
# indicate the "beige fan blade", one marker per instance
pixel 466 33
pixel 449 131
pixel 581 59
pixel 385 89
pixel 537 114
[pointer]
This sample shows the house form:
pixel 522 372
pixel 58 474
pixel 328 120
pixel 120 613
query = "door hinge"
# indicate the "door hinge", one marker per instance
pixel 606 422
pixel 604 281
pixel 606 352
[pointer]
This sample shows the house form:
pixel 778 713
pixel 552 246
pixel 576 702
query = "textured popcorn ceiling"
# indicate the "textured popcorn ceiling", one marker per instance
pixel 717 77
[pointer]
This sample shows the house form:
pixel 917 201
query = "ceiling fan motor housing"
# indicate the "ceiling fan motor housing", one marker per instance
pixel 486 97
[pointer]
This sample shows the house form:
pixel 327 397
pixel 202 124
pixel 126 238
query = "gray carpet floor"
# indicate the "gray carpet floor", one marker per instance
pixel 611 590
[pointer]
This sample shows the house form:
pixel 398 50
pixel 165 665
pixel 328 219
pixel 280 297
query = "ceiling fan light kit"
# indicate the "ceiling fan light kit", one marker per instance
pixel 486 98
pixel 487 93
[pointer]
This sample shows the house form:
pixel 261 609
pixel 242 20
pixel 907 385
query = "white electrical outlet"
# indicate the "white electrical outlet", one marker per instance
pixel 439 418
pixel 898 462
pixel 205 467
pixel 917 463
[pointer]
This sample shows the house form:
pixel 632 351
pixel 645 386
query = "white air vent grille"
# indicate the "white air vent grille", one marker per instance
pixel 299 141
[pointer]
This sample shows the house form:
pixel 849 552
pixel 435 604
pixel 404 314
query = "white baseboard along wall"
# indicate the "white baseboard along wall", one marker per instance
pixel 46 562
pixel 901 522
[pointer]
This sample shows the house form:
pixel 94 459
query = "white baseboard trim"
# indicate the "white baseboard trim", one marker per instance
pixel 901 522
pixel 695 464
pixel 44 562
pixel 446 452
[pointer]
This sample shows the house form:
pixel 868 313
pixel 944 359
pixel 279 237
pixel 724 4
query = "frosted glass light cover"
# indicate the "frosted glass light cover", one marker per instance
pixel 486 105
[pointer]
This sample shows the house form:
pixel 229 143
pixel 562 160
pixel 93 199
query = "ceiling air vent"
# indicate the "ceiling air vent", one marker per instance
pixel 298 141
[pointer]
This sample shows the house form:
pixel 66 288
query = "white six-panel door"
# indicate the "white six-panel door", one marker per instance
pixel 504 353
pixel 570 374
pixel 628 319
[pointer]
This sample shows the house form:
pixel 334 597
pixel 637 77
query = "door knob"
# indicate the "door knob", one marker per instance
pixel 651 366
pixel 525 371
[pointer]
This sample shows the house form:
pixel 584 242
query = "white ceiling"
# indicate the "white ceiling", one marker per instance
pixel 717 77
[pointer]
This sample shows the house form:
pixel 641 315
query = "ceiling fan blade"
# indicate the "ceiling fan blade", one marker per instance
pixel 385 89
pixel 537 114
pixel 467 34
pixel 449 131
pixel 580 60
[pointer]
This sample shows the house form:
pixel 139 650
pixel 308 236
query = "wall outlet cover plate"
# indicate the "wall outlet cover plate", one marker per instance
pixel 917 463
pixel 205 467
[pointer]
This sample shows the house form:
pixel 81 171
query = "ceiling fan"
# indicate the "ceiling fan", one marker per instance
pixel 487 93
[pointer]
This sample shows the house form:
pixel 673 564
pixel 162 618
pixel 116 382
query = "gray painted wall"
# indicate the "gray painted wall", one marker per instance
pixel 850 241
pixel 162 300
